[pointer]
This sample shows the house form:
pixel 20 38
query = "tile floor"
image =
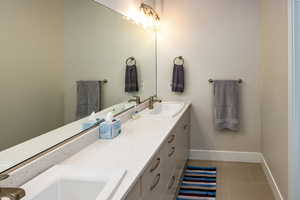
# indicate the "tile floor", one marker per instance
pixel 239 181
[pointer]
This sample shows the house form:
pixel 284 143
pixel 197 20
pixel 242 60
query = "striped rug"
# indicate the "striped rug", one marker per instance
pixel 198 183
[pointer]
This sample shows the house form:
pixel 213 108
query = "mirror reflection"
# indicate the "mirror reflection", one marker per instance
pixel 60 61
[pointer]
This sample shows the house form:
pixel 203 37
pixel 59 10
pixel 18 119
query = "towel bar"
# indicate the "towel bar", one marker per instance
pixel 180 58
pixel 130 59
pixel 211 80
pixel 104 81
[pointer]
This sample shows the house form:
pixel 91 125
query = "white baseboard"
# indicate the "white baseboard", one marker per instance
pixel 236 156
pixel 232 156
pixel 271 179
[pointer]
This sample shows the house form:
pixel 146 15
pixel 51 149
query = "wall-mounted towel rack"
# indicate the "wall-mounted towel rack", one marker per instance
pixel 179 58
pixel 211 80
pixel 131 59
pixel 104 81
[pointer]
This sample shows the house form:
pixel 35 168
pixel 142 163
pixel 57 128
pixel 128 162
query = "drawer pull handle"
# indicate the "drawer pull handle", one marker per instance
pixel 156 181
pixel 172 182
pixel 172 138
pixel 185 126
pixel 172 152
pixel 155 166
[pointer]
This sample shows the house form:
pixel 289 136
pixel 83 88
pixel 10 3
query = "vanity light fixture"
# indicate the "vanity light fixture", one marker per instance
pixel 150 15
pixel 145 15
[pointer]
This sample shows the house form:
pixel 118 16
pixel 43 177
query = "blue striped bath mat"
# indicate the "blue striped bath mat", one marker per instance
pixel 198 183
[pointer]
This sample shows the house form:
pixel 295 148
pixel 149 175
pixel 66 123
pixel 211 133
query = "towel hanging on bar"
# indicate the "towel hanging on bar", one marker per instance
pixel 131 76
pixel 88 98
pixel 178 81
pixel 226 105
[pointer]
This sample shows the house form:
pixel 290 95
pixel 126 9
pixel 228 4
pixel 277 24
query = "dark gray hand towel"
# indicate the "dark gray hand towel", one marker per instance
pixel 226 102
pixel 178 78
pixel 88 98
pixel 131 79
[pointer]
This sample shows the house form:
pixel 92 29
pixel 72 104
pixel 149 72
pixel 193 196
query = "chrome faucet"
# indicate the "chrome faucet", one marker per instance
pixel 153 100
pixel 10 193
pixel 136 99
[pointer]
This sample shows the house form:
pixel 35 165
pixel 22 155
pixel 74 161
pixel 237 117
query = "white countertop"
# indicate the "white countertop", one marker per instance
pixel 132 150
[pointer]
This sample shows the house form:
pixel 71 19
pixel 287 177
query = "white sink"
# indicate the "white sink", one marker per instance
pixel 164 109
pixel 66 182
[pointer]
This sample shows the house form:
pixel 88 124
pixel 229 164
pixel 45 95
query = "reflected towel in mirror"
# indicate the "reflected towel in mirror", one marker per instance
pixel 131 79
pixel 88 98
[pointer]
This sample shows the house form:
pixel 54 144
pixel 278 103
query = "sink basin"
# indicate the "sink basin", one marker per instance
pixel 66 182
pixel 164 109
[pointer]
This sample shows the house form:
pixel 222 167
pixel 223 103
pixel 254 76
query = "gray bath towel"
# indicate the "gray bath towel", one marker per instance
pixel 178 78
pixel 88 98
pixel 131 79
pixel 226 99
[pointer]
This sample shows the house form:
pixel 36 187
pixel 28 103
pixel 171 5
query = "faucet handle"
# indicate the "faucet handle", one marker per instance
pixel 3 176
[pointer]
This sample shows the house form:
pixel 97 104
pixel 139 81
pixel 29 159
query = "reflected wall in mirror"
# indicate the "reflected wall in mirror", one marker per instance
pixel 46 48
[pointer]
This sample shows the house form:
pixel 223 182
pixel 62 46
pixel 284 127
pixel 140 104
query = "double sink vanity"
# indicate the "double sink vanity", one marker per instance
pixel 50 144
pixel 144 163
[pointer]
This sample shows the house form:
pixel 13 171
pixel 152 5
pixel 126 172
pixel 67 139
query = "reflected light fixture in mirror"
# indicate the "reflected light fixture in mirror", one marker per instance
pixel 145 15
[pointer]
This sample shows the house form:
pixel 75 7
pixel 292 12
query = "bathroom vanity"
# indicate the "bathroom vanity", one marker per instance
pixel 153 149
pixel 144 163
pixel 162 173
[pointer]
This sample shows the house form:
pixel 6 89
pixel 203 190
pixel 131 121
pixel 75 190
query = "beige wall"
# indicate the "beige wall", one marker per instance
pixel 97 43
pixel 31 63
pixel 275 89
pixel 219 40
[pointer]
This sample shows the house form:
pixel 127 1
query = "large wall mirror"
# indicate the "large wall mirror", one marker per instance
pixel 56 56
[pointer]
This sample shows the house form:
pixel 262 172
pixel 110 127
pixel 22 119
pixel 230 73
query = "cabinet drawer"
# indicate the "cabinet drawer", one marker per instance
pixel 171 187
pixel 171 152
pixel 182 140
pixel 162 175
pixel 153 179
pixel 155 188
pixel 171 157
pixel 185 121
pixel 135 193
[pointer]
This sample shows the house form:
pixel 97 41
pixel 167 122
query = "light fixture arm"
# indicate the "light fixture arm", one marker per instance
pixel 149 11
